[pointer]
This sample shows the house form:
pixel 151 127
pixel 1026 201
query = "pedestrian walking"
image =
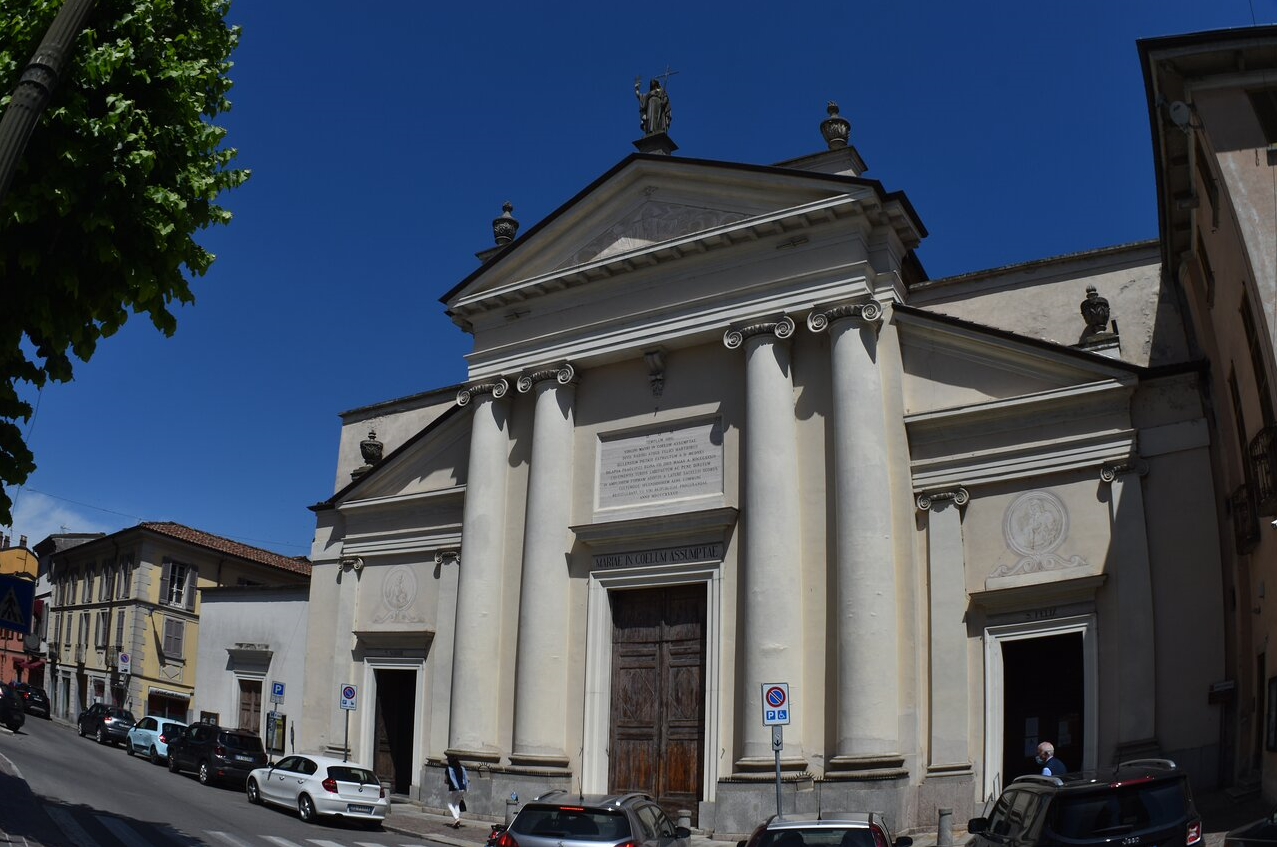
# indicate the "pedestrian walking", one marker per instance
pixel 455 779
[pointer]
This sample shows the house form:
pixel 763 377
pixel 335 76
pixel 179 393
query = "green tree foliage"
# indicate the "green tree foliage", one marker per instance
pixel 119 175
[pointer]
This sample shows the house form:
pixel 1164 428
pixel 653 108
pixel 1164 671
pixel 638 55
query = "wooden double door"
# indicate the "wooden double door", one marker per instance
pixel 657 734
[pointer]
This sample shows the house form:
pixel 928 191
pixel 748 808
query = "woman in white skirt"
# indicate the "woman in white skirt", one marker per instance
pixel 455 779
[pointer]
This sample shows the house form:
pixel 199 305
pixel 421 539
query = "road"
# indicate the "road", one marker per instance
pixel 83 794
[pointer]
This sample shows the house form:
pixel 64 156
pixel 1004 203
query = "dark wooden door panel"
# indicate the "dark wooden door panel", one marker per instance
pixel 658 694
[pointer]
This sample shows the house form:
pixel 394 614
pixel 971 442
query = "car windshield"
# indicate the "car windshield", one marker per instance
pixel 817 837
pixel 1129 808
pixel 237 741
pixel 572 822
pixel 348 774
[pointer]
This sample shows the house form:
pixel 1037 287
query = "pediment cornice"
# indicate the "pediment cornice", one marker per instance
pixel 792 221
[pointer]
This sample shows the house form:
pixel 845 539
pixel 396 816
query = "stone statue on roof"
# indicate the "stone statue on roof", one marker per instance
pixel 654 108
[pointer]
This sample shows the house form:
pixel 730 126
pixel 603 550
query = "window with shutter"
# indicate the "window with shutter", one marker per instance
pixel 126 579
pixel 174 629
pixel 192 579
pixel 166 577
pixel 119 629
pixel 84 629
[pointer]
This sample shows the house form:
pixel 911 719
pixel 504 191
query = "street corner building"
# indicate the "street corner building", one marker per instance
pixel 721 430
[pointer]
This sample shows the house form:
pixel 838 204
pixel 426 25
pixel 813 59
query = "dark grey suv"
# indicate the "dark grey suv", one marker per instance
pixel 107 724
pixel 560 819
pixel 216 753
pixel 1141 803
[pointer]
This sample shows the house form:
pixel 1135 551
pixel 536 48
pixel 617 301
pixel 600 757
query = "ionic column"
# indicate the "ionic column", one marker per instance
pixel 947 606
pixel 866 732
pixel 541 668
pixel 472 727
pixel 771 589
pixel 1134 626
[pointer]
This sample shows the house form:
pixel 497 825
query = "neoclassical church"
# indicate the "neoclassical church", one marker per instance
pixel 726 458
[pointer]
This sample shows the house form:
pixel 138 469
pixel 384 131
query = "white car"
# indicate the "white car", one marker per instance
pixel 320 785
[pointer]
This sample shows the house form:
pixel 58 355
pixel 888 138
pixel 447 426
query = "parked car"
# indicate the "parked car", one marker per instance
pixel 559 819
pixel 319 786
pixel 1141 802
pixel 35 701
pixel 108 724
pixel 151 735
pixel 11 714
pixel 215 753
pixel 829 829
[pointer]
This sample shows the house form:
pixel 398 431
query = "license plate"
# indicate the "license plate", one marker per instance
pixel 243 758
pixel 354 809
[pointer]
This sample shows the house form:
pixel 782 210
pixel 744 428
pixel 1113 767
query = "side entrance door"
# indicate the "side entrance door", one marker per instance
pixel 394 714
pixel 250 705
pixel 658 694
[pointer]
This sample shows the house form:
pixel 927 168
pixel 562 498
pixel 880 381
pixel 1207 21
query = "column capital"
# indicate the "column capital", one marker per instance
pixel 451 556
pixel 563 374
pixel 1111 470
pixel 820 320
pixel 497 388
pixel 959 496
pixel 735 336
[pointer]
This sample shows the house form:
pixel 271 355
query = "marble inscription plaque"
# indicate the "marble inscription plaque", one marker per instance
pixel 712 552
pixel 667 464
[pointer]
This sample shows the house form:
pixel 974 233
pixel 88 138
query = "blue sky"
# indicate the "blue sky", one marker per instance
pixel 384 137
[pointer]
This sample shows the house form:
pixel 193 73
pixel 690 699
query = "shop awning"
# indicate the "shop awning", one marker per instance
pixel 29 664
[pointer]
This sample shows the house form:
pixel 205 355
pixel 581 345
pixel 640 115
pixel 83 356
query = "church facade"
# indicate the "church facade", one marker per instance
pixel 726 457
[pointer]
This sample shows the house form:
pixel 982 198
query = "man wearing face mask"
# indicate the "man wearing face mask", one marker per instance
pixel 1047 762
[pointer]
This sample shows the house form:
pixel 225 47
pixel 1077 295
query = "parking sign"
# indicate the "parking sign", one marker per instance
pixel 347 695
pixel 776 704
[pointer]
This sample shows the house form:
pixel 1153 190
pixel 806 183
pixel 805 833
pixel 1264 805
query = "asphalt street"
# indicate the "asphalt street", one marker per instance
pixel 59 789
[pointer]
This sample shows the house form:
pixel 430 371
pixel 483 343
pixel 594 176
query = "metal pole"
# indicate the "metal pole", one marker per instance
pixel 776 755
pixel 36 85
pixel 346 737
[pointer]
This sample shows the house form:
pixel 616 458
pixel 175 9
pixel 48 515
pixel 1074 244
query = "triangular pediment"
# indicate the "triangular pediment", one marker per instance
pixel 952 365
pixel 653 209
pixel 433 461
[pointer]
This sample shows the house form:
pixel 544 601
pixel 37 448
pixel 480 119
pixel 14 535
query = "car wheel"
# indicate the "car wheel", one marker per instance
pixel 204 774
pixel 128 746
pixel 101 736
pixel 173 764
pixel 254 796
pixel 79 728
pixel 154 755
pixel 306 808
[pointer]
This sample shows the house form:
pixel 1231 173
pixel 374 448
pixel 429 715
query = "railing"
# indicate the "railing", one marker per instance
pixel 1261 452
pixel 1242 507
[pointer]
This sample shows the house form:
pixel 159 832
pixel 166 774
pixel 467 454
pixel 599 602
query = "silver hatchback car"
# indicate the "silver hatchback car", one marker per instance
pixel 559 819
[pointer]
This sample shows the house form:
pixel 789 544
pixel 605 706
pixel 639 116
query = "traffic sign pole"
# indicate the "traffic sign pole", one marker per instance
pixel 776 714
pixel 776 753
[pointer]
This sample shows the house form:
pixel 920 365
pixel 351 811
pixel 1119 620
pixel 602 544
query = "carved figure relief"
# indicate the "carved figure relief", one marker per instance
pixel 651 223
pixel 1035 525
pixel 399 590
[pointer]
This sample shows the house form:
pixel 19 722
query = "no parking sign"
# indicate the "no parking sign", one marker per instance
pixel 347 695
pixel 776 704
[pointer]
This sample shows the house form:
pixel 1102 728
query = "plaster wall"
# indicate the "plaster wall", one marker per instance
pixel 395 422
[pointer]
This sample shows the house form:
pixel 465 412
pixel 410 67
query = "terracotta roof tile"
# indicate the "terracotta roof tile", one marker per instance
pixel 298 564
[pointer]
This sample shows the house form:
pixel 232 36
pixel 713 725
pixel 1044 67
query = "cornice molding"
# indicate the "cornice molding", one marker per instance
pixel 497 388
pixel 734 337
pixel 563 374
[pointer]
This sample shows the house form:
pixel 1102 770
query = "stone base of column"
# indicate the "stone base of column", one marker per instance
pixel 750 766
pixel 538 761
pixel 489 796
pixel 950 769
pixel 474 755
pixel 954 790
pixel 881 766
pixel 1145 748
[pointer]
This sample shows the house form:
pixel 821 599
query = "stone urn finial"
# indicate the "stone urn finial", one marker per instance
pixel 505 227
pixel 835 129
pixel 1095 311
pixel 371 449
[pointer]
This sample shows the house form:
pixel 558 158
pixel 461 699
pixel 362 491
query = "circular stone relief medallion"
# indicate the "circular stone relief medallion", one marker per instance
pixel 399 590
pixel 1036 523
